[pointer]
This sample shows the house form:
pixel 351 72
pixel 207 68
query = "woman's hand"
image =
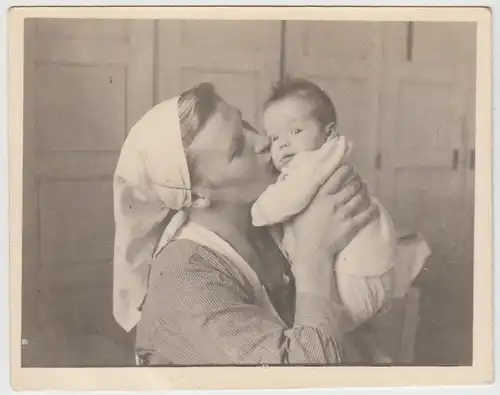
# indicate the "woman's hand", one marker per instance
pixel 340 209
pixel 351 207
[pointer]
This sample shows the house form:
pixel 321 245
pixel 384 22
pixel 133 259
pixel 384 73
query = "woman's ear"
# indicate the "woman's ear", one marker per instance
pixel 331 130
pixel 200 201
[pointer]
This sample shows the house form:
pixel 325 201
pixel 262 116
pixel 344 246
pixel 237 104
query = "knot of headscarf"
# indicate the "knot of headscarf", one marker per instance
pixel 151 188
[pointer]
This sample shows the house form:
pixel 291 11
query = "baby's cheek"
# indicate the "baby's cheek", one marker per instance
pixel 307 144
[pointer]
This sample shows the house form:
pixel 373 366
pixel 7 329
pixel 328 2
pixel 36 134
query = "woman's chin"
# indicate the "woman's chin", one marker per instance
pixel 237 195
pixel 248 194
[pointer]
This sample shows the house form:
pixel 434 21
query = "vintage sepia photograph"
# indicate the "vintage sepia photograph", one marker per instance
pixel 248 192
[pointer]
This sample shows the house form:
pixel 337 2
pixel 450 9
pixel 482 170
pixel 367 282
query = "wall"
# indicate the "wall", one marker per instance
pixel 87 83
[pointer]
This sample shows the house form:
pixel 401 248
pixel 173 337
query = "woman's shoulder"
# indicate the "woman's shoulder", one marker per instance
pixel 184 251
pixel 186 256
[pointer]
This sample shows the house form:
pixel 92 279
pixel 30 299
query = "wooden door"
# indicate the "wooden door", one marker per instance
pixel 344 58
pixel 426 110
pixel 241 59
pixel 87 82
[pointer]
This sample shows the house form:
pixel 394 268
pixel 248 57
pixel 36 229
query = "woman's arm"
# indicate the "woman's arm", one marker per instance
pixel 203 300
pixel 340 210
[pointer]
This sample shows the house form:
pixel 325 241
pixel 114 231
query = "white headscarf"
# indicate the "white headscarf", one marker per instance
pixel 151 189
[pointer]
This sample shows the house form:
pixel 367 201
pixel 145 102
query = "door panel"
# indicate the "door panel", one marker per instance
pixel 349 72
pixel 71 218
pixel 88 82
pixel 424 129
pixel 241 59
pixel 59 109
pixel 444 44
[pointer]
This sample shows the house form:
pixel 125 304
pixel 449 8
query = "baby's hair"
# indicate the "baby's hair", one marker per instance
pixel 195 106
pixel 324 109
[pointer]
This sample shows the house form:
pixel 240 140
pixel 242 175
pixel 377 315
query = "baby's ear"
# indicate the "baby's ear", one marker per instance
pixel 200 202
pixel 331 130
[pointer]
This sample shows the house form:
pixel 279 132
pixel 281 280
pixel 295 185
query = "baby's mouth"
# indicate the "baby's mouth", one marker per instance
pixel 285 159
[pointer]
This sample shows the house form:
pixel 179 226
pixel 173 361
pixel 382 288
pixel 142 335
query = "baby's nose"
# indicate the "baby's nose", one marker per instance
pixel 283 144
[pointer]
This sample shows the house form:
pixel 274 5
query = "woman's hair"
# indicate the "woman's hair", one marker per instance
pixel 195 106
pixel 324 110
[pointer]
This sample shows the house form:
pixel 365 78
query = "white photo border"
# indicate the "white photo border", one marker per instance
pixel 211 378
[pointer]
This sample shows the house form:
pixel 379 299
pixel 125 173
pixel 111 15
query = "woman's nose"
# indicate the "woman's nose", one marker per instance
pixel 261 148
pixel 261 144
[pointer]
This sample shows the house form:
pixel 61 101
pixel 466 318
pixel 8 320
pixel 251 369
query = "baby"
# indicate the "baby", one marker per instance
pixel 306 149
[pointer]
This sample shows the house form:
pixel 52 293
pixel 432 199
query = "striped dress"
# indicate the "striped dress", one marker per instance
pixel 201 310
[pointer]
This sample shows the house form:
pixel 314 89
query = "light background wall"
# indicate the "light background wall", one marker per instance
pixel 404 93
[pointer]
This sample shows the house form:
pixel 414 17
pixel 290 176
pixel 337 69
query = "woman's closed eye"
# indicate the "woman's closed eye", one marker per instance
pixel 263 146
pixel 247 126
pixel 239 143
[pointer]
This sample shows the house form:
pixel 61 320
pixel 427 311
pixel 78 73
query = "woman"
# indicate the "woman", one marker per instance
pixel 199 282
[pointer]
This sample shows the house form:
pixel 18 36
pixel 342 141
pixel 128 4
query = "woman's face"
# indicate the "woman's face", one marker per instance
pixel 233 161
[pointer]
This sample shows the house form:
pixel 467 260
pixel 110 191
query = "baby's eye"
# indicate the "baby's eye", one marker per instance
pixel 296 131
pixel 273 138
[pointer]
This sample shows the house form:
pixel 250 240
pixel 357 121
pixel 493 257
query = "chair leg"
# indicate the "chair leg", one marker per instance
pixel 410 325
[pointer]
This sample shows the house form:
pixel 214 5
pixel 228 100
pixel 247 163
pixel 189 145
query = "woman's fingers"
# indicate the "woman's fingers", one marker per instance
pixel 343 175
pixel 363 218
pixel 340 210
pixel 365 203
pixel 349 191
pixel 359 200
pixel 351 207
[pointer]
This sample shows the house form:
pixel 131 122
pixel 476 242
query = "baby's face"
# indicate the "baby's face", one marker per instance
pixel 292 128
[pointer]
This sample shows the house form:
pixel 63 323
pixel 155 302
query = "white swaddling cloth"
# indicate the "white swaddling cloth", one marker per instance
pixel 365 273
